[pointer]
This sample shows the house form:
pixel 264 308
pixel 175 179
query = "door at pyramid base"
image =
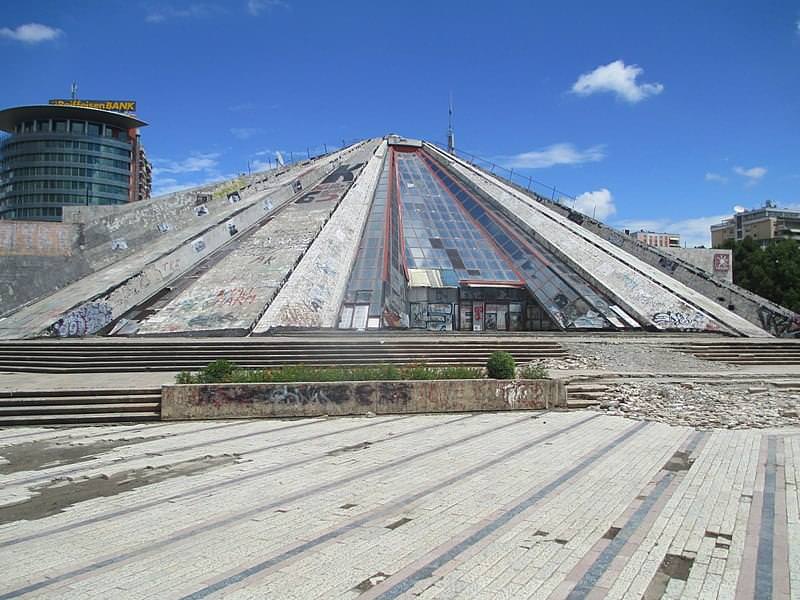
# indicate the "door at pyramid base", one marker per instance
pixel 476 309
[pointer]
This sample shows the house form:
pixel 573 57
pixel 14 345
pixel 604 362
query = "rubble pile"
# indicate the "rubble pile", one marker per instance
pixel 703 405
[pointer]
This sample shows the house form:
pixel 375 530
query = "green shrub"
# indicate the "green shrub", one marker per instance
pixel 185 377
pixel 533 371
pixel 219 371
pixel 223 371
pixel 500 365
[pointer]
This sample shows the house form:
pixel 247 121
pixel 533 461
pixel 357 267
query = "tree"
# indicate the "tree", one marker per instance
pixel 772 271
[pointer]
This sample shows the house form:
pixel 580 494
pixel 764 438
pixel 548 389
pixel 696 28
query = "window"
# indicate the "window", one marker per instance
pixel 28 126
pixel 94 129
pixel 43 125
pixel 77 127
pixel 59 126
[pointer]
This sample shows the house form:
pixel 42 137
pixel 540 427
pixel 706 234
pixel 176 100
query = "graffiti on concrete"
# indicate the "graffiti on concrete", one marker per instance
pixel 203 198
pixel 324 192
pixel 575 217
pixel 236 296
pixel 435 316
pixel 667 264
pixel 616 238
pixel 199 245
pixel 164 227
pixel 234 197
pixel 779 325
pixel 201 210
pixel 36 239
pixel 232 230
pixel 290 394
pixel 84 320
pixel 343 173
pixel 678 320
pixel 119 244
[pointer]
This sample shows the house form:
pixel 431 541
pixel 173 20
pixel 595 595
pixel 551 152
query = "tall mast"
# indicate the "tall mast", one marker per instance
pixel 451 138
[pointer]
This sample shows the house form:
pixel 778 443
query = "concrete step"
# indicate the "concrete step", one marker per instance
pixel 69 419
pixel 585 394
pixel 80 394
pixel 79 406
pixel 80 400
pixel 580 403
pixel 74 409
pixel 586 388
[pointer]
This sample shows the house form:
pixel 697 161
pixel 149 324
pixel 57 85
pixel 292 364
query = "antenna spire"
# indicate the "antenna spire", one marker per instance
pixel 451 138
pixel 74 90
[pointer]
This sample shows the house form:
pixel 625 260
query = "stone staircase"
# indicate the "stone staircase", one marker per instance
pixel 584 394
pixel 194 354
pixel 48 407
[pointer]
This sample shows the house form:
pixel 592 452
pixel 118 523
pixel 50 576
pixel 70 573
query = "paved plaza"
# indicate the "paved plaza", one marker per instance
pixel 515 505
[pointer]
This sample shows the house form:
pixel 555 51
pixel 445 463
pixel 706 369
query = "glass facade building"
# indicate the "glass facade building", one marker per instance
pixel 55 156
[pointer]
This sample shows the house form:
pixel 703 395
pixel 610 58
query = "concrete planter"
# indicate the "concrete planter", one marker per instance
pixel 253 400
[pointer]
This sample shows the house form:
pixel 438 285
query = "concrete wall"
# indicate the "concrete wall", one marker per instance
pixel 716 263
pixel 771 317
pixel 315 290
pixel 641 290
pixel 227 401
pixel 35 258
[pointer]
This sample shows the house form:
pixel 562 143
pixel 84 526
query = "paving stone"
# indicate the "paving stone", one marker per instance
pixel 513 505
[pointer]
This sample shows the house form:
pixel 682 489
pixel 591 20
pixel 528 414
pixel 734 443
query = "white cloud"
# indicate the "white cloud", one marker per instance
pixel 244 133
pixel 168 185
pixel 694 232
pixel 164 12
pixel 556 154
pixel 31 33
pixel 192 164
pixel 716 177
pixel 256 7
pixel 598 204
pixel 618 78
pixel 753 174
pixel 260 165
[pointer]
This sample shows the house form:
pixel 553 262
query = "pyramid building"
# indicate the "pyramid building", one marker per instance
pixel 389 233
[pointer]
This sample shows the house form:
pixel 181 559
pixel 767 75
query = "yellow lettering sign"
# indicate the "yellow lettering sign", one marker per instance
pixel 113 105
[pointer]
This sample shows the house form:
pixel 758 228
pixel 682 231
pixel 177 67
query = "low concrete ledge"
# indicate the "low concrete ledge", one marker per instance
pixel 253 400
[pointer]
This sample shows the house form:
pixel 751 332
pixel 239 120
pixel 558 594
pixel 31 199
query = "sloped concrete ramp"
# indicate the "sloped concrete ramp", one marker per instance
pixel 314 292
pixel 649 294
pixel 232 295
pixel 91 303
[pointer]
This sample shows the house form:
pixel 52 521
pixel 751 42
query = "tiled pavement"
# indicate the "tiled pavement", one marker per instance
pixel 513 505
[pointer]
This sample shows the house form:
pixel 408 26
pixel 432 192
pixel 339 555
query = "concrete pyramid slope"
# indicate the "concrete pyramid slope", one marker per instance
pixel 314 293
pixel 97 301
pixel 232 295
pixel 649 294
pixel 390 233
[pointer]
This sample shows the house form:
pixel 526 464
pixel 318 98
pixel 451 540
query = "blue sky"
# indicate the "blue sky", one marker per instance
pixel 662 115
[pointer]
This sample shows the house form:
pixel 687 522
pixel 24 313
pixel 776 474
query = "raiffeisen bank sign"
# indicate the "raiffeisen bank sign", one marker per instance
pixel 123 106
